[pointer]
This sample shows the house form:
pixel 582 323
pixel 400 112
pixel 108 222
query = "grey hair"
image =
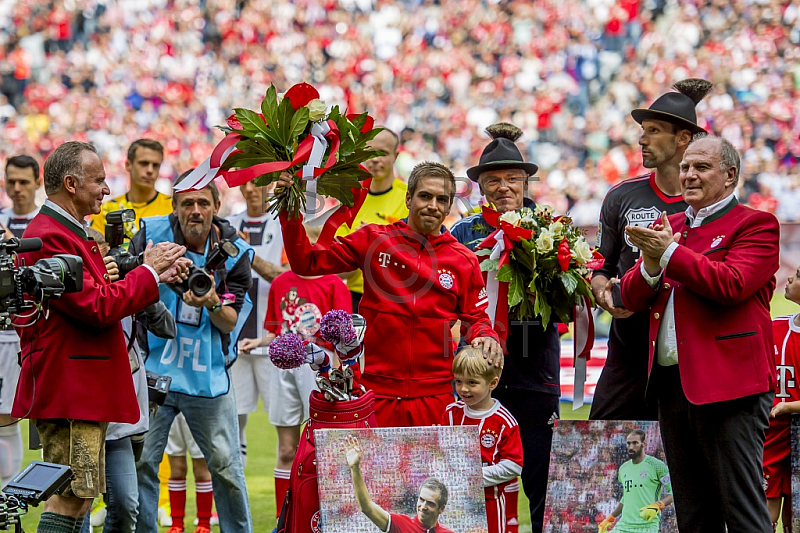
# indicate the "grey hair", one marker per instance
pixel 434 484
pixel 729 158
pixel 66 160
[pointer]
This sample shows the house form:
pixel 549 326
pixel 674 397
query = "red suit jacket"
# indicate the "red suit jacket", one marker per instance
pixel 722 276
pixel 75 363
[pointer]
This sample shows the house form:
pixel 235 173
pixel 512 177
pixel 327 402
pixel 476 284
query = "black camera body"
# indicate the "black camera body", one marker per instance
pixel 35 484
pixel 157 387
pixel 48 278
pixel 115 238
pixel 199 281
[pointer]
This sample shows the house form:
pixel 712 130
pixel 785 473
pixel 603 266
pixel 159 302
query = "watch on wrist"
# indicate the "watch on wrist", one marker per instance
pixel 216 308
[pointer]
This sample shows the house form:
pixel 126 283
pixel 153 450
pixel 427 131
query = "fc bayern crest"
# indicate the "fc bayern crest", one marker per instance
pixel 717 240
pixel 446 280
pixel 642 217
pixel 488 440
pixel 643 474
pixel 316 522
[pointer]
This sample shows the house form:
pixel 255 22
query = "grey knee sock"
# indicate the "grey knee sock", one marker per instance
pixel 56 523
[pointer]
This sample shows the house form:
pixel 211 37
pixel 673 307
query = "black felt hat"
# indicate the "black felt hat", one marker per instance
pixel 673 107
pixel 501 153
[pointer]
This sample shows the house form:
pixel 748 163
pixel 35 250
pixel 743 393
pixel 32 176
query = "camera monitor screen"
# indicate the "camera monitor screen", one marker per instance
pixel 39 480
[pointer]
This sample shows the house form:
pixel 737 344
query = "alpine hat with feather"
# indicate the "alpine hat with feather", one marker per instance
pixel 501 153
pixel 677 107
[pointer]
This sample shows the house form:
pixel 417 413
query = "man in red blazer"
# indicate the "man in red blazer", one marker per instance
pixel 707 277
pixel 76 374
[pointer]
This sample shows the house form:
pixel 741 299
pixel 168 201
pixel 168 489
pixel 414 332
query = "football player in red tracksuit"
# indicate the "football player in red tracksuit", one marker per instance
pixel 777 446
pixel 501 446
pixel 418 282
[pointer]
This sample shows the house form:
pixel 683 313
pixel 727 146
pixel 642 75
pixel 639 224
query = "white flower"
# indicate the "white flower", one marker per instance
pixel 556 228
pixel 316 110
pixel 511 217
pixel 544 242
pixel 582 252
pixel 528 222
pixel 542 210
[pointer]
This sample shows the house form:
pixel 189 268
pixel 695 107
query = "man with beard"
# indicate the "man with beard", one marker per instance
pixel 642 478
pixel 198 358
pixel 668 127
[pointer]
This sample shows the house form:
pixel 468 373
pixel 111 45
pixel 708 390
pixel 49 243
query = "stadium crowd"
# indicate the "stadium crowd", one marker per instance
pixel 92 77
pixel 439 71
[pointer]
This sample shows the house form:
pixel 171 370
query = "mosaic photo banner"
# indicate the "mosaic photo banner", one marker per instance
pixel 405 472
pixel 604 475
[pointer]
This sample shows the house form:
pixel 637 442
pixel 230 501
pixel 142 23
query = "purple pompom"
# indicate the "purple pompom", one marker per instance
pixel 336 327
pixel 287 351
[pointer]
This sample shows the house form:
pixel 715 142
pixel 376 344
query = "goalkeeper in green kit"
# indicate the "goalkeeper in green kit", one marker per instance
pixel 642 479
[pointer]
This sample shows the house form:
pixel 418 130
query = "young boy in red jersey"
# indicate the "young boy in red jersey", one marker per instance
pixel 501 447
pixel 777 446
pixel 295 304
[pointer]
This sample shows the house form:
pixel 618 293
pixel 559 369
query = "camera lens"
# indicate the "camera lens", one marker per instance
pixel 199 283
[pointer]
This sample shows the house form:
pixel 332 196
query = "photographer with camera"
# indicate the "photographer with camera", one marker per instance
pixel 76 374
pixel 21 183
pixel 209 312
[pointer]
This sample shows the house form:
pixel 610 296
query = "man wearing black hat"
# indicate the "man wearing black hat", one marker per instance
pixel 668 127
pixel 529 387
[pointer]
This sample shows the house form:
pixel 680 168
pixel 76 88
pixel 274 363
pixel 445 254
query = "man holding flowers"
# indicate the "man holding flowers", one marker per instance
pixel 418 281
pixel 529 387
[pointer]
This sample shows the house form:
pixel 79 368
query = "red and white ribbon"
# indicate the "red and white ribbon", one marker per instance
pixel 583 337
pixel 492 285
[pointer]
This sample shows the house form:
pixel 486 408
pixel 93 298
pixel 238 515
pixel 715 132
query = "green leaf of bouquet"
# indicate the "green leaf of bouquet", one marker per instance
pixel 483 251
pixel 542 309
pixel 260 146
pixel 506 273
pixel 516 290
pixel 364 138
pixel 489 265
pixel 569 281
pixel 283 129
pixel 244 160
pixel 251 122
pixel 299 122
pixel 342 190
pixel 269 105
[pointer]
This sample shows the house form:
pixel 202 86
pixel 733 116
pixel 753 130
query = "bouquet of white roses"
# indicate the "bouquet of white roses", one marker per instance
pixel 540 262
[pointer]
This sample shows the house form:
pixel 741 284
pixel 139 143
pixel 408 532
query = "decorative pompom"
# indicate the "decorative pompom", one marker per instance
pixel 504 130
pixel 336 327
pixel 287 351
pixel 694 88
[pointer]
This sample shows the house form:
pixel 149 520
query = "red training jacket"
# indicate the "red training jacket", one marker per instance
pixel 415 288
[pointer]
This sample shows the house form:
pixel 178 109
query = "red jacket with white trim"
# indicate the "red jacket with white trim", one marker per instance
pixel 415 288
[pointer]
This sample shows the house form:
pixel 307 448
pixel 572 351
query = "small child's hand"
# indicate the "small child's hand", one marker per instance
pixel 778 410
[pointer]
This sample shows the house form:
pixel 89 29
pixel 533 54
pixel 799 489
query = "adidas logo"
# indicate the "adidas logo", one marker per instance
pixel 482 294
pixel 553 419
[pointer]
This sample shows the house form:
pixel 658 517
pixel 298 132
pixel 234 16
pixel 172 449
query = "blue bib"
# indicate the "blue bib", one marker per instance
pixel 194 358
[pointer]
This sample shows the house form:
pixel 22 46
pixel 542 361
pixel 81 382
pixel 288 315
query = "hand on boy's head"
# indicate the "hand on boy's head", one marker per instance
pixel 491 350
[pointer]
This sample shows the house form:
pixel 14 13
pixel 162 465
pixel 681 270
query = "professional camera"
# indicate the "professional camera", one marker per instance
pixel 48 278
pixel 199 281
pixel 35 484
pixel 115 238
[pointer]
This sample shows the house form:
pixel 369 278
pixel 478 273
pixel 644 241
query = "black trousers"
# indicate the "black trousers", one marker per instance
pixel 714 453
pixel 535 413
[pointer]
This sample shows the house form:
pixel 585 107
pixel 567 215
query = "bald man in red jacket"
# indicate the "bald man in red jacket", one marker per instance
pixel 707 278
